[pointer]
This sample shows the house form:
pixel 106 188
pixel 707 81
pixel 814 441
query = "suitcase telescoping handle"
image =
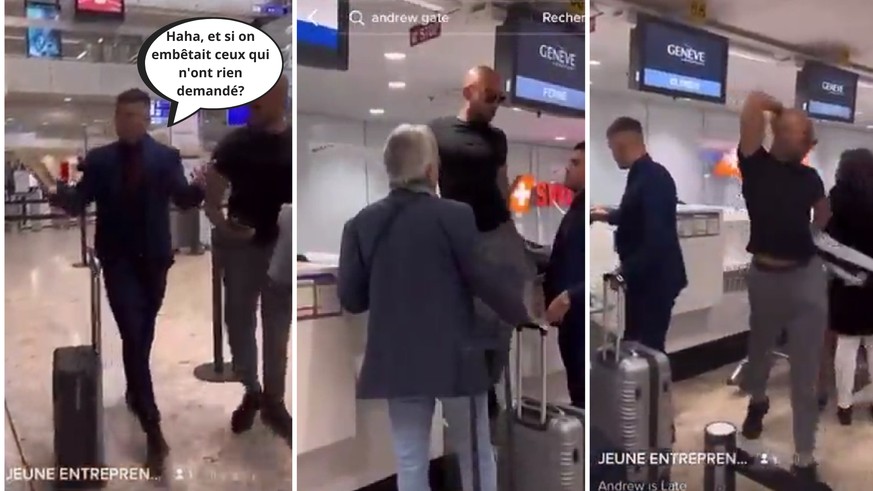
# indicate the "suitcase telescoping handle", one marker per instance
pixel 543 332
pixel 614 282
pixel 96 321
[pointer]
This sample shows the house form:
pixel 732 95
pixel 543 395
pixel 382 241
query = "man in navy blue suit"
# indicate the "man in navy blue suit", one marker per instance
pixel 564 287
pixel 646 238
pixel 133 181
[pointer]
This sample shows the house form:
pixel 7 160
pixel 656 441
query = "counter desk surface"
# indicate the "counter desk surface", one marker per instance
pixel 344 444
pixel 713 241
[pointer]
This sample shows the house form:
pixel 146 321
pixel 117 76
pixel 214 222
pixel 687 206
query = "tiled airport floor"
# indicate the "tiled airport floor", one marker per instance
pixel 844 452
pixel 47 306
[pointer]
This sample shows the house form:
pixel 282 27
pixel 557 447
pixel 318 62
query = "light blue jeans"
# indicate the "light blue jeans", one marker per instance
pixel 411 421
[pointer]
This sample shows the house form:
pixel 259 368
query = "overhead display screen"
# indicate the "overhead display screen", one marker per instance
pixel 100 8
pixel 323 34
pixel 549 66
pixel 826 92
pixel 159 112
pixel 43 42
pixel 678 60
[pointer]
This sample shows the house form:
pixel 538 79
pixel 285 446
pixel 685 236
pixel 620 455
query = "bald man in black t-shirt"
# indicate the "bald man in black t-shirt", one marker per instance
pixel 473 170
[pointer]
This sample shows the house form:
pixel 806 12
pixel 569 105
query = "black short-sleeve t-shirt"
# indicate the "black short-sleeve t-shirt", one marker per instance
pixel 779 198
pixel 471 154
pixel 258 166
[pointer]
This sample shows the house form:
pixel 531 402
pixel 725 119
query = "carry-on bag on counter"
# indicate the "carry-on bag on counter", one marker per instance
pixel 77 393
pixel 544 448
pixel 632 384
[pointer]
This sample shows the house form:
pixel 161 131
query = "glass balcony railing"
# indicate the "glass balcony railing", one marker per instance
pixel 80 46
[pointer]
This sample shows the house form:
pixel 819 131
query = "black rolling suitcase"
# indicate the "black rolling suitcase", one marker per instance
pixel 77 393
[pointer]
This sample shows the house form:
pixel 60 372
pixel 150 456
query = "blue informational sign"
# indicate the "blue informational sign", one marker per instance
pixel 159 112
pixel 680 61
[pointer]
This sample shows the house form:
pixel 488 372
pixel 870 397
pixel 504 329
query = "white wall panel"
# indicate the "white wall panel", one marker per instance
pixel 69 77
pixel 340 171
pixel 677 131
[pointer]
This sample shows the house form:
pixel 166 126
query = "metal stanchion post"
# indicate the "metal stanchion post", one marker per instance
pixel 197 248
pixel 25 223
pixel 216 371
pixel 83 241
pixel 720 439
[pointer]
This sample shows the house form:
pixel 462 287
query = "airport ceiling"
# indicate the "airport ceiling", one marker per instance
pixel 58 116
pixel 70 118
pixel 796 25
pixel 808 24
pixel 433 73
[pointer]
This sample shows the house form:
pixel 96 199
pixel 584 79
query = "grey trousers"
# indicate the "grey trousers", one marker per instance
pixel 245 282
pixel 504 248
pixel 794 301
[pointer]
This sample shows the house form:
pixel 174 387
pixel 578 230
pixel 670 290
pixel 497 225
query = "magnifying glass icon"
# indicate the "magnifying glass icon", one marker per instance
pixel 356 17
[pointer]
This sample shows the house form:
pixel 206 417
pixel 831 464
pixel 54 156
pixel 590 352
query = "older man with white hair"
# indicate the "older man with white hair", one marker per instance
pixel 411 260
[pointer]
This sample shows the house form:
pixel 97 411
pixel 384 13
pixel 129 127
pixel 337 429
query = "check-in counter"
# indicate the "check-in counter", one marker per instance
pixel 713 244
pixel 344 444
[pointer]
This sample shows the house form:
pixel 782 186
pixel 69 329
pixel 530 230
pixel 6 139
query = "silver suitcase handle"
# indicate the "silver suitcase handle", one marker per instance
pixel 543 332
pixel 96 300
pixel 614 282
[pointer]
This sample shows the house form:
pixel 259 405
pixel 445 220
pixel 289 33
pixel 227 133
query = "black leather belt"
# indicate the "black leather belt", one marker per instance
pixel 779 268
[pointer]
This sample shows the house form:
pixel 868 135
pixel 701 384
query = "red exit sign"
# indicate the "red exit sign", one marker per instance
pixel 421 33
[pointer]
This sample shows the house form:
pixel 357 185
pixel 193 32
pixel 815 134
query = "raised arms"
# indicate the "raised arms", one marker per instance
pixel 753 123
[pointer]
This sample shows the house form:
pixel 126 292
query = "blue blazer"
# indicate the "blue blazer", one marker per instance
pixel 102 182
pixel 418 280
pixel 646 238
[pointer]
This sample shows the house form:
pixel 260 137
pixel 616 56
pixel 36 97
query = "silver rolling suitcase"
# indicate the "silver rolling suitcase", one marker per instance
pixel 545 443
pixel 632 383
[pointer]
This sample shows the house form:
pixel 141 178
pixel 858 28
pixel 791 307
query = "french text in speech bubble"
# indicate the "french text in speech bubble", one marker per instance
pixel 209 63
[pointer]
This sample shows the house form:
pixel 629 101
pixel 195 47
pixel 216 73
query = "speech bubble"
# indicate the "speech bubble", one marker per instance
pixel 209 63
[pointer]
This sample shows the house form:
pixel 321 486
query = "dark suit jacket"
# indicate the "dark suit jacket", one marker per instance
pixel 566 269
pixel 646 238
pixel 102 182
pixel 419 285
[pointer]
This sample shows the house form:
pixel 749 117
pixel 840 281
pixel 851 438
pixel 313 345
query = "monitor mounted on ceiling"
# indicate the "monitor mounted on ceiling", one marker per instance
pixel 542 64
pixel 323 34
pixel 678 61
pixel 826 92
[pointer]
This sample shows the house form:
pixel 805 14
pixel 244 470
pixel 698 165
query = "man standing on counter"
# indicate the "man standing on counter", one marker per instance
pixel 564 287
pixel 255 162
pixel 646 238
pixel 473 171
